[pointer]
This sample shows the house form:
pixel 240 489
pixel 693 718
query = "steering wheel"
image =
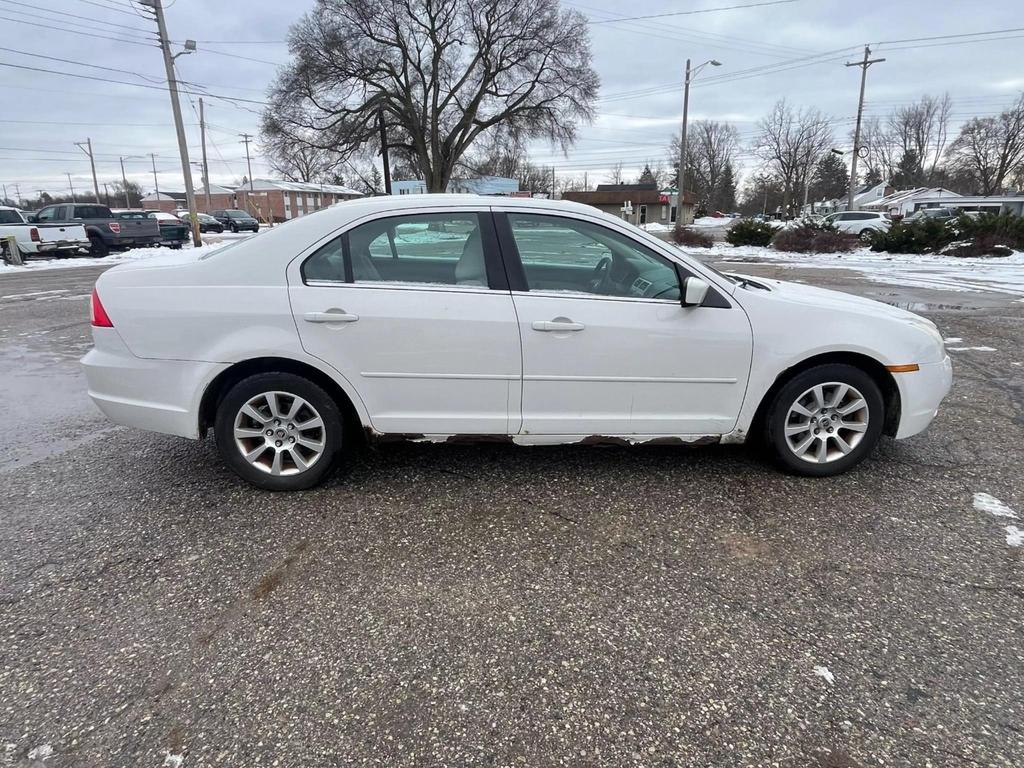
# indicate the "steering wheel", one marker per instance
pixel 599 277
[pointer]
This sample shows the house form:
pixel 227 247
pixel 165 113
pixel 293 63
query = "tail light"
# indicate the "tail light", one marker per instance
pixel 115 227
pixel 97 314
pixel 34 234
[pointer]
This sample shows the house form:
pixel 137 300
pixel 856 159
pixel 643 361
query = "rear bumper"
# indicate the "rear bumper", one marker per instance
pixel 921 392
pixel 53 247
pixel 156 395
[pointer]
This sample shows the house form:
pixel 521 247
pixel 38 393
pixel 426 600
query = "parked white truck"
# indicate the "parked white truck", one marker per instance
pixel 59 240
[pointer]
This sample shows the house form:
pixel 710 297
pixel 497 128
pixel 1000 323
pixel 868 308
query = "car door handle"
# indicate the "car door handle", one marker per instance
pixel 331 316
pixel 557 325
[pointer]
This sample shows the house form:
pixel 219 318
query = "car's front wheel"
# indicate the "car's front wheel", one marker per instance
pixel 866 236
pixel 825 420
pixel 279 431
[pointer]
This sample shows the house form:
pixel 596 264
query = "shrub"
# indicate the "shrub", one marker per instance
pixel 750 232
pixel 921 236
pixel 991 229
pixel 692 237
pixel 813 237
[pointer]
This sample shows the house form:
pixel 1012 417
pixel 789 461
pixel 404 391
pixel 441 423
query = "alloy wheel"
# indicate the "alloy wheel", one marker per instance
pixel 826 422
pixel 279 433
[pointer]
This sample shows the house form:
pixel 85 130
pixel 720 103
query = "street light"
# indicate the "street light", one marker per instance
pixel 681 179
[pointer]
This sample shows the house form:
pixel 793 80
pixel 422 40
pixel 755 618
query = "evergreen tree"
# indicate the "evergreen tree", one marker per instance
pixel 909 173
pixel 725 198
pixel 647 177
pixel 830 179
pixel 873 177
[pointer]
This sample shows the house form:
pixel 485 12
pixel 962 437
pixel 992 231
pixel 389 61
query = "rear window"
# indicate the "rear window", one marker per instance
pixel 10 217
pixel 238 215
pixel 92 212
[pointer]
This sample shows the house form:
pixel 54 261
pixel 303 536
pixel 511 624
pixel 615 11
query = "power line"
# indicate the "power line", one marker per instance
pixel 91 35
pixel 62 14
pixel 691 13
pixel 80 63
pixel 946 37
pixel 107 7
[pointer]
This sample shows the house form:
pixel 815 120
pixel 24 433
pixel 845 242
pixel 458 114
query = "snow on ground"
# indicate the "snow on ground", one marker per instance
pixel 947 273
pixel 656 226
pixel 823 672
pixel 1014 536
pixel 210 243
pixel 984 502
pixel 711 222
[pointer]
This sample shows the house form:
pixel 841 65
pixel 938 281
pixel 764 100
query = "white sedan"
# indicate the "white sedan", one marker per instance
pixel 456 317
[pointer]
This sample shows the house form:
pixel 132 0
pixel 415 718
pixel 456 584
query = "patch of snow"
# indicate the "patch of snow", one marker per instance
pixel 172 761
pixel 984 502
pixel 42 752
pixel 972 349
pixel 117 257
pixel 710 222
pixel 947 273
pixel 656 226
pixel 823 672
pixel 952 340
pixel 1014 536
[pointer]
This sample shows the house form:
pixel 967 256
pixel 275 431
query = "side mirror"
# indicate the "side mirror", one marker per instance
pixel 694 291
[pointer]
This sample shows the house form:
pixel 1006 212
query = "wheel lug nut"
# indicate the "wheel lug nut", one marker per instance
pixel 817 431
pixel 291 439
pixel 270 432
pixel 830 430
pixel 278 443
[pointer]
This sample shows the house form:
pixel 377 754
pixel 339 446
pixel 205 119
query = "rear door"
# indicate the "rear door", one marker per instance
pixel 607 347
pixel 414 310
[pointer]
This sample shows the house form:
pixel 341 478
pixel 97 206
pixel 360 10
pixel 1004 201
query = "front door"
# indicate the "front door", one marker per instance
pixel 404 308
pixel 607 347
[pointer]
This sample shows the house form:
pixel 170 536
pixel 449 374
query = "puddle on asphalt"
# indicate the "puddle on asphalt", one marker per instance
pixel 924 306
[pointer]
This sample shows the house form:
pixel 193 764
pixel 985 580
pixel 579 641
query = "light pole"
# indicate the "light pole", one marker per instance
pixel 681 178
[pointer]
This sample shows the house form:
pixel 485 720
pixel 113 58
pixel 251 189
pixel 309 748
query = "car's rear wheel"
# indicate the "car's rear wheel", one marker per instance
pixel 866 236
pixel 279 431
pixel 98 248
pixel 825 420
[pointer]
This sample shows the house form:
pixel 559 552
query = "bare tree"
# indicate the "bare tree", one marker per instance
pixel 441 72
pixel 615 175
pixel 790 144
pixel 990 150
pixel 296 161
pixel 922 128
pixel 879 153
pixel 711 148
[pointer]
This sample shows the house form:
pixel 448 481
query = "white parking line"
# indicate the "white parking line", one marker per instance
pixel 34 293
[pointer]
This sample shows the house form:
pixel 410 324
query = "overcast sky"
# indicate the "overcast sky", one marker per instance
pixel 640 63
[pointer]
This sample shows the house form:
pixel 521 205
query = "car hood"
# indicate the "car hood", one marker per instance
pixel 809 295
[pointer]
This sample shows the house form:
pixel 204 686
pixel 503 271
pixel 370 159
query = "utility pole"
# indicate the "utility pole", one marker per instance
pixel 246 138
pixel 179 125
pixel 156 184
pixel 586 182
pixel 86 146
pixel 5 195
pixel 385 158
pixel 863 64
pixel 71 185
pixel 681 177
pixel 106 194
pixel 124 181
pixel 552 182
pixel 206 168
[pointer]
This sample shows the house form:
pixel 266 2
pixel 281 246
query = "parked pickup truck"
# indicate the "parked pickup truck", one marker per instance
pixel 58 240
pixel 105 231
pixel 173 231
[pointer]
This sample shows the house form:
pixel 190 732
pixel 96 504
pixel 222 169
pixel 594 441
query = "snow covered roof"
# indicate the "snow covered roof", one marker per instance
pixel 263 185
pixel 152 197
pixel 903 195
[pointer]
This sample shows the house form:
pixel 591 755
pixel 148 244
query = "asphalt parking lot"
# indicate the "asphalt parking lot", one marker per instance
pixel 494 605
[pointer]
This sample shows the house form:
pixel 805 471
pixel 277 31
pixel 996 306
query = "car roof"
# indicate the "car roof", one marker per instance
pixel 412 202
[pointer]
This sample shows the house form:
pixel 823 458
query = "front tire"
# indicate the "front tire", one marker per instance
pixel 825 420
pixel 278 431
pixel 866 236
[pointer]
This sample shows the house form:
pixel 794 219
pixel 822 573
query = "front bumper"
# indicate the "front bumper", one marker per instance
pixel 921 392
pixel 156 395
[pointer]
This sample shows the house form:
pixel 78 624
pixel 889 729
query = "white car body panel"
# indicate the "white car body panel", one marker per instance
pixel 438 362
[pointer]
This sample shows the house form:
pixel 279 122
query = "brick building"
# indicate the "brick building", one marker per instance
pixel 648 205
pixel 281 200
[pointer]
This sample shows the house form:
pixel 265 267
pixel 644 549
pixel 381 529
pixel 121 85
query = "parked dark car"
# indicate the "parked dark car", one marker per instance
pixel 175 232
pixel 209 224
pixel 938 214
pixel 106 231
pixel 236 220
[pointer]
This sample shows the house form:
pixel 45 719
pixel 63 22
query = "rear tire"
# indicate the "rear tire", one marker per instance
pixel 824 420
pixel 866 236
pixel 97 248
pixel 305 428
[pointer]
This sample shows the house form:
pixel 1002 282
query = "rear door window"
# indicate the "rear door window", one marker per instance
pixel 430 248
